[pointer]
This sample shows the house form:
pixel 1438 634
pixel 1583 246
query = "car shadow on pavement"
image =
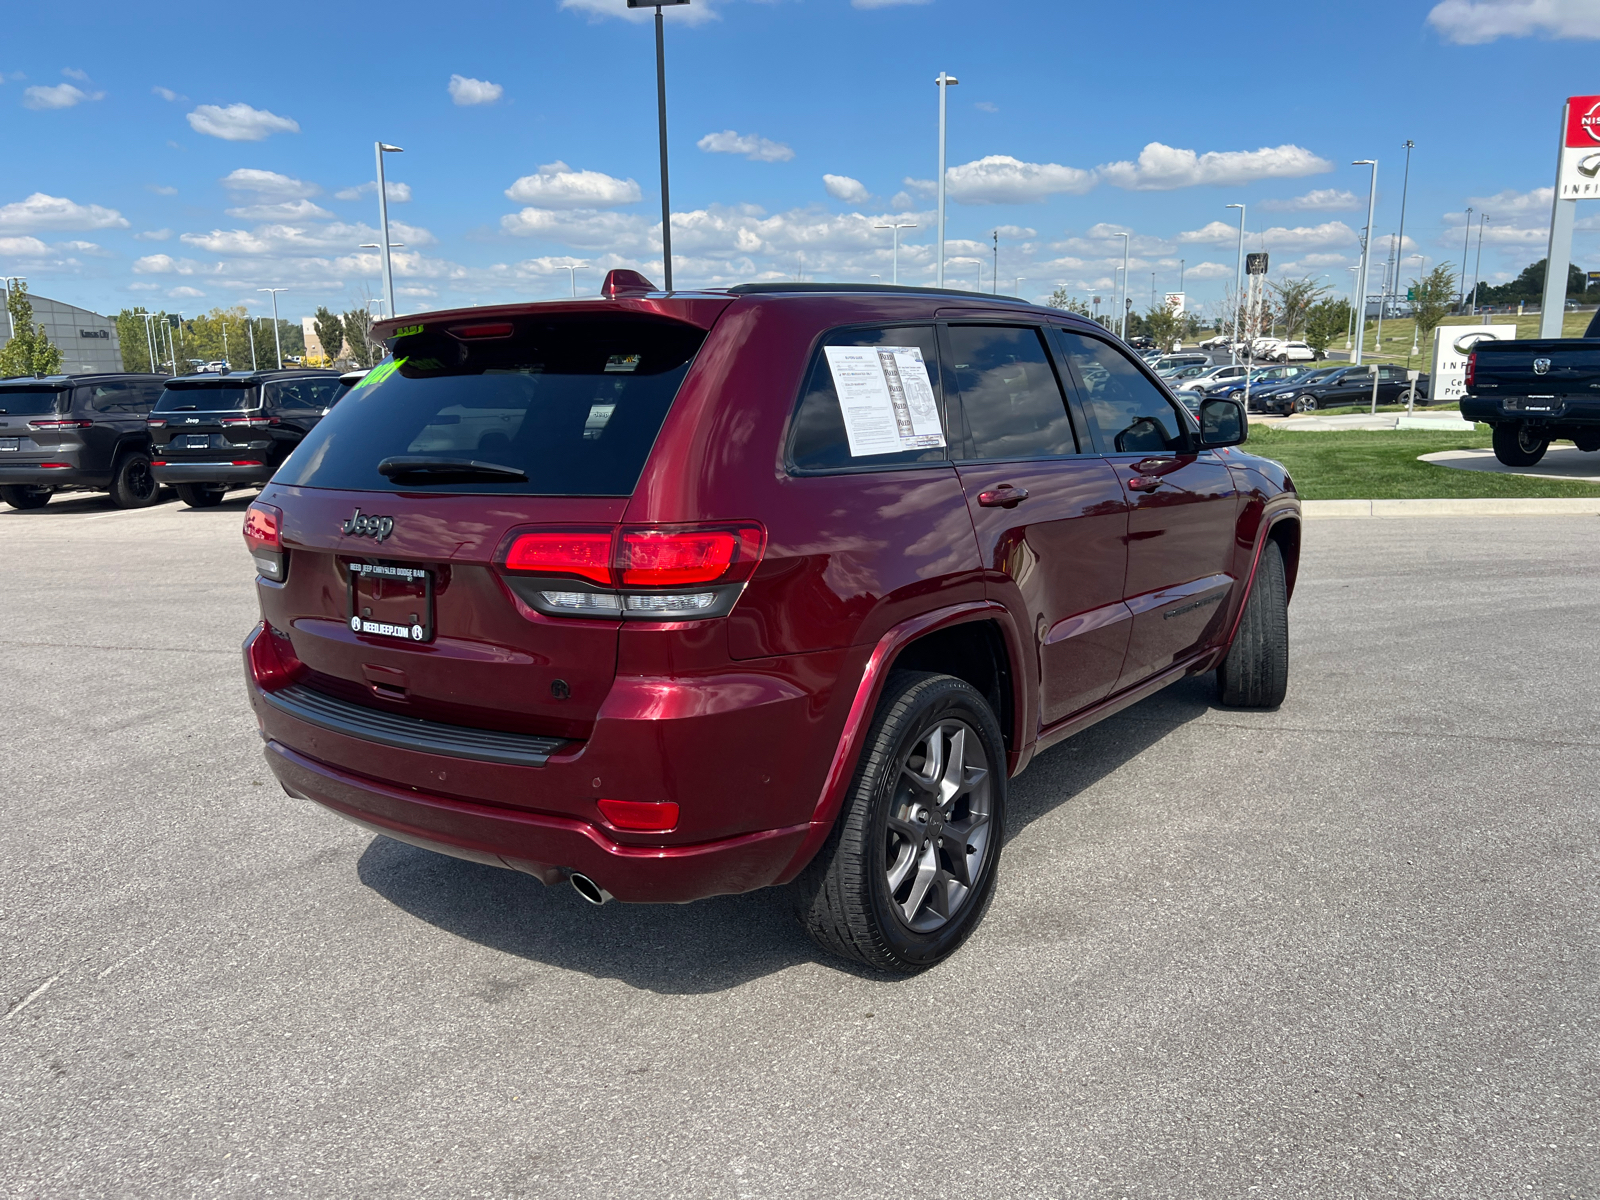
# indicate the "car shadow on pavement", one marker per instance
pixel 720 943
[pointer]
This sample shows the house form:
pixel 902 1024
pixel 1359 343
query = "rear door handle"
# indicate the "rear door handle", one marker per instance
pixel 1004 496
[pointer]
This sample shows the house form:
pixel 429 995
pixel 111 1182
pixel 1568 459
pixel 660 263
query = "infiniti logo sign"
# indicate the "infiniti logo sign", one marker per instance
pixel 376 528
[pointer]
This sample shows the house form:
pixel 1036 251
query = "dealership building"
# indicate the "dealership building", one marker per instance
pixel 88 342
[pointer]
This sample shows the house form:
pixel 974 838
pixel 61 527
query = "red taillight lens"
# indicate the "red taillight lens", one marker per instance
pixel 58 466
pixel 263 534
pixel 498 329
pixel 273 662
pixel 675 557
pixel 253 422
pixel 638 816
pixel 155 422
pixel 242 462
pixel 61 424
pixel 584 553
pixel 1472 368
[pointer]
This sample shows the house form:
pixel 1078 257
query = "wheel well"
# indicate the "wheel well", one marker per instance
pixel 1287 535
pixel 974 651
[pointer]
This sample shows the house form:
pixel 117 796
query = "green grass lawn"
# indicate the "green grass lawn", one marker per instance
pixel 1382 465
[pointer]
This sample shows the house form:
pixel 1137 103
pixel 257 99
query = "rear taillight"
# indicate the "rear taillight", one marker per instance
pixel 1472 368
pixel 659 573
pixel 263 534
pixel 252 422
pixel 61 424
pixel 156 422
pixel 273 662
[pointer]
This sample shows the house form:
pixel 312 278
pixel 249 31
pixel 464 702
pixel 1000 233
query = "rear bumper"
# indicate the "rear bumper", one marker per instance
pixel 211 472
pixel 1564 410
pixel 548 847
pixel 22 474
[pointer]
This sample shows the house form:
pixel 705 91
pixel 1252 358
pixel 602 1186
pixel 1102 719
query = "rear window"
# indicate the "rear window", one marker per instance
pixel 575 405
pixel 30 402
pixel 207 397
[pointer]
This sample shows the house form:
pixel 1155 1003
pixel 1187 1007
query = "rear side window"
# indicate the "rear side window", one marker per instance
pixel 1130 415
pixel 315 394
pixel 30 402
pixel 575 405
pixel 1009 393
pixel 121 398
pixel 891 392
pixel 203 397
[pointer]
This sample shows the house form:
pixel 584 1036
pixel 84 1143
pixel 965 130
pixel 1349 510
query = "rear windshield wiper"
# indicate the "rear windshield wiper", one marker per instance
pixel 411 465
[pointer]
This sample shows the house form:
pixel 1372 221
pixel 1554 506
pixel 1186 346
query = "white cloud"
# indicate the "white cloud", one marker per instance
pixel 153 235
pixel 1163 168
pixel 1017 233
pixel 23 247
pixel 398 193
pixel 902 201
pixel 578 227
pixel 1209 270
pixel 1214 231
pixel 185 293
pixel 1306 237
pixel 239 122
pixel 842 187
pixel 988 106
pixel 167 94
pixel 1472 22
pixel 62 95
pixel 467 92
pixel 40 211
pixel 923 187
pixel 161 189
pixel 268 184
pixel 301 239
pixel 690 14
pixel 557 185
pixel 285 210
pixel 143 287
pixel 752 146
pixel 1001 179
pixel 90 248
pixel 165 264
pixel 1317 200
pixel 1511 204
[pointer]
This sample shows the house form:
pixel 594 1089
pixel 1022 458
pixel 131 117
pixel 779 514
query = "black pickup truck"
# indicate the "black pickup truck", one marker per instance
pixel 1531 392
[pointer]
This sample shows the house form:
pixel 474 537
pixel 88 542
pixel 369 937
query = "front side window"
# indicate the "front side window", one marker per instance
pixel 1009 392
pixel 873 398
pixel 555 407
pixel 1130 415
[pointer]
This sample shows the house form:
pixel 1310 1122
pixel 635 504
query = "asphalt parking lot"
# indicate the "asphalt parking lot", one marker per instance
pixel 1346 949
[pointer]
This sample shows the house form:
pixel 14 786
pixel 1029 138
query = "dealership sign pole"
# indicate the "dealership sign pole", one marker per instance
pixel 1577 178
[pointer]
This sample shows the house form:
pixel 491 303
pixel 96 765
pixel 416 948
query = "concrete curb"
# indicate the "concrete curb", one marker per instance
pixel 1487 507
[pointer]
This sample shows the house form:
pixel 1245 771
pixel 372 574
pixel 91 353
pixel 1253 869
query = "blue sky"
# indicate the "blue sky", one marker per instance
pixel 187 162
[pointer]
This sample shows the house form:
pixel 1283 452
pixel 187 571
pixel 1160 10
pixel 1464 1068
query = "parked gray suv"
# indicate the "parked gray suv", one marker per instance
pixel 64 433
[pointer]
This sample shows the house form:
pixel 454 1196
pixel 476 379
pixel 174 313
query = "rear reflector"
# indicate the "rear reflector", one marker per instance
pixel 273 662
pixel 1472 369
pixel 638 816
pixel 57 466
pixel 245 463
pixel 584 553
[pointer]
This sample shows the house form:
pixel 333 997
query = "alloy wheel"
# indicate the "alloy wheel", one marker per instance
pixel 937 839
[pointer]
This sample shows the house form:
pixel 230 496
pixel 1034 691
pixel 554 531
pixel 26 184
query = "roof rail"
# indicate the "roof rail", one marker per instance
pixel 757 289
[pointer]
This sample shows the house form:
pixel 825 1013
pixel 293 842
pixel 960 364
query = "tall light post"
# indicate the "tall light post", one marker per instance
pixel 1238 290
pixel 1180 280
pixel 1421 267
pixel 1466 240
pixel 1477 266
pixel 1366 259
pixel 1400 243
pixel 574 268
pixel 379 150
pixel 150 339
pixel 277 339
pixel 945 83
pixel 897 227
pixel 1349 328
pixel 661 121
pixel 9 280
pixel 1123 331
pixel 1020 278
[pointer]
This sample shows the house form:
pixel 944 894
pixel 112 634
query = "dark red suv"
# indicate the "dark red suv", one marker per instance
pixel 675 595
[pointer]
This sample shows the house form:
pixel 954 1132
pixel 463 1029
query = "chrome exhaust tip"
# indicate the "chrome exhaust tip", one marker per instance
pixel 589 889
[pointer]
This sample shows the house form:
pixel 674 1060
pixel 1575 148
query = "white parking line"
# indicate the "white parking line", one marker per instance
pixel 30 998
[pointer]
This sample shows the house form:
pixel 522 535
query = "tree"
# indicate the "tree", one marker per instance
pixel 1162 322
pixel 1066 302
pixel 358 332
pixel 1295 298
pixel 1325 321
pixel 329 328
pixel 1529 285
pixel 1432 298
pixel 29 351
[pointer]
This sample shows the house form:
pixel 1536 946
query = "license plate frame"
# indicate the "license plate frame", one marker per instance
pixel 197 441
pixel 418 630
pixel 11 443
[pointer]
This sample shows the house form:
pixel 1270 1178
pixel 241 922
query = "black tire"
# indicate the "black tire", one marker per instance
pixel 132 483
pixel 1303 404
pixel 26 496
pixel 1517 445
pixel 1587 439
pixel 1255 674
pixel 893 834
pixel 201 495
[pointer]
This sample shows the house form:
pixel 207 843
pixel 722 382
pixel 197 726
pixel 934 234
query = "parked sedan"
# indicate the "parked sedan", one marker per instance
pixel 1261 377
pixel 1214 377
pixel 1342 386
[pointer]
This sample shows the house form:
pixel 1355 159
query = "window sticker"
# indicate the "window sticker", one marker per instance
pixel 407 331
pixel 379 373
pixel 622 362
pixel 886 399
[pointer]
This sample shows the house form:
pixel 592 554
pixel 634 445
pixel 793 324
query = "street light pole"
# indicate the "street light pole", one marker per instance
pixel 1123 332
pixel 661 121
pixel 379 150
pixel 1466 239
pixel 1349 329
pixel 1366 258
pixel 895 277
pixel 1238 289
pixel 1422 265
pixel 945 83
pixel 277 339
pixel 574 268
pixel 1477 266
pixel 1020 278
pixel 9 280
pixel 996 272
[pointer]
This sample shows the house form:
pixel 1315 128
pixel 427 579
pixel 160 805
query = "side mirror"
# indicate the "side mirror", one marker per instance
pixel 1222 423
